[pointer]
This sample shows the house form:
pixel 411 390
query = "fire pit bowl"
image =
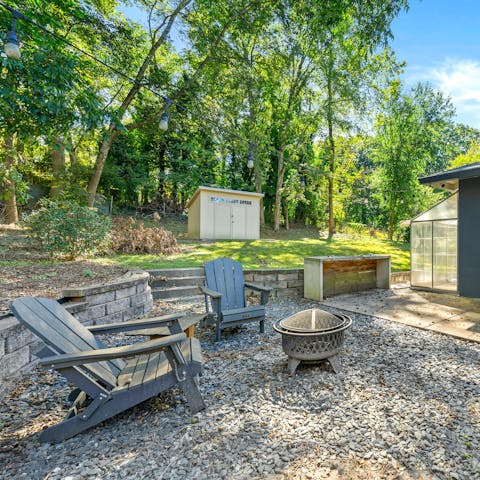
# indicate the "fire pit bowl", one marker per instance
pixel 323 340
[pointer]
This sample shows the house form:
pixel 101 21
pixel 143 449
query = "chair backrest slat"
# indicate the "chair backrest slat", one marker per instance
pixel 239 283
pixel 63 333
pixel 225 276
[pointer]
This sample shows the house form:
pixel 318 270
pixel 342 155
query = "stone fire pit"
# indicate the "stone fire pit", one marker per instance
pixel 313 335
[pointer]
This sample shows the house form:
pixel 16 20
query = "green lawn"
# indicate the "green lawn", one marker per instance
pixel 283 249
pixel 270 253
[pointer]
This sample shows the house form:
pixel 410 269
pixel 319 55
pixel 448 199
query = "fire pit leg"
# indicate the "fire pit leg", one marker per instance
pixel 336 363
pixel 293 363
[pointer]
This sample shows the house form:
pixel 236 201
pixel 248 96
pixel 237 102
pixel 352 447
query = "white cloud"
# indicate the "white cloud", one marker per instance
pixel 457 78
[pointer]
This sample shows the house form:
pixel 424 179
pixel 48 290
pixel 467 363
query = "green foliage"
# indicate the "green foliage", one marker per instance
pixel 299 79
pixel 404 143
pixel 471 156
pixel 67 229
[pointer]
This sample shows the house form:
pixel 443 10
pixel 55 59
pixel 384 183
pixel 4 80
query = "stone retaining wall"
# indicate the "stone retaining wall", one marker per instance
pixel 284 282
pixel 124 299
pixel 399 277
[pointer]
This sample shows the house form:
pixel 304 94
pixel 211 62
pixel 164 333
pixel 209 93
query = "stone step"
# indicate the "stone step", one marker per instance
pixel 166 282
pixel 172 292
pixel 200 299
pixel 176 272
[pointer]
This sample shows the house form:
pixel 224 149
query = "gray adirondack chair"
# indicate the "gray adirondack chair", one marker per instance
pixel 225 296
pixel 107 383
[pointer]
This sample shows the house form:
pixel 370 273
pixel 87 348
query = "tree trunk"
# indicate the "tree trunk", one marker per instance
pixel 99 164
pixel 278 189
pixel 287 221
pixel 391 219
pixel 258 187
pixel 9 187
pixel 72 153
pixel 331 219
pixel 57 156
pixel 331 178
pixel 257 174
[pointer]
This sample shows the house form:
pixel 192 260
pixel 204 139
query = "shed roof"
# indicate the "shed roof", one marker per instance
pixel 448 180
pixel 222 190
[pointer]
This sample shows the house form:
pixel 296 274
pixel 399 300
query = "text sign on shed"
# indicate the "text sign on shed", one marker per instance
pixel 230 200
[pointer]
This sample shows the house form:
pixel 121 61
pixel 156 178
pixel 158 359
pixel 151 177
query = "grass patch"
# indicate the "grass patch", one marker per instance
pixel 283 249
pixel 269 253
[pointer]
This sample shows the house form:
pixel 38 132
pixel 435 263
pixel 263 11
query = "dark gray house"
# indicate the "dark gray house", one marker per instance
pixel 445 240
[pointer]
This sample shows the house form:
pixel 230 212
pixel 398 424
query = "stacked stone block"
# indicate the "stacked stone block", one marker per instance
pixel 124 299
pixel 399 277
pixel 284 282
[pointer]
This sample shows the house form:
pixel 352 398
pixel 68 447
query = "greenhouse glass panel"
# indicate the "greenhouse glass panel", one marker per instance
pixel 434 247
pixel 448 209
pixel 421 257
pixel 445 254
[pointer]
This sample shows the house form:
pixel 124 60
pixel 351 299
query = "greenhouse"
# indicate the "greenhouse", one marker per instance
pixel 445 239
pixel 434 247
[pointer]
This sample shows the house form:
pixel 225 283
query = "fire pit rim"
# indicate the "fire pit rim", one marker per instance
pixel 346 324
pixel 332 316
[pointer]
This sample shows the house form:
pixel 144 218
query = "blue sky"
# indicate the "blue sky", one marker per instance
pixel 440 41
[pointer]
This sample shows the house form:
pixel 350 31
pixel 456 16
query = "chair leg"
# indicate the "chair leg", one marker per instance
pixel 185 379
pixel 192 394
pixel 218 333
pixel 262 326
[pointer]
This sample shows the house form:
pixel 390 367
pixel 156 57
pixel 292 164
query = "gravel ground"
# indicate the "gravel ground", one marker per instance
pixel 406 406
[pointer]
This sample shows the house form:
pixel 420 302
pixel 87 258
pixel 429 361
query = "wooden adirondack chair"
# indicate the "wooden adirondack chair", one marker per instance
pixel 108 384
pixel 225 296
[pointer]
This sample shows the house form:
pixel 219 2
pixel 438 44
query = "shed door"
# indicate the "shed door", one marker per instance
pixel 239 221
pixel 221 220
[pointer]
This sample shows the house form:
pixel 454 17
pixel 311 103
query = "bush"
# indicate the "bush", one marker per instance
pixel 66 229
pixel 130 236
pixel 355 228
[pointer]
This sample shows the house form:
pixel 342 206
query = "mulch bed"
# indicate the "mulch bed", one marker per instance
pixel 30 272
pixel 49 280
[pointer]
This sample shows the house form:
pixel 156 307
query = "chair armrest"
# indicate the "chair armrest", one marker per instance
pixel 259 288
pixel 210 293
pixel 90 356
pixel 162 321
pixel 264 291
pixel 184 323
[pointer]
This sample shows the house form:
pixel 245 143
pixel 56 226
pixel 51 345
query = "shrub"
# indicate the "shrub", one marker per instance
pixel 130 236
pixel 355 228
pixel 66 229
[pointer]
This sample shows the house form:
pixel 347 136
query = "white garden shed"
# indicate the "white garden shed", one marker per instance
pixel 216 213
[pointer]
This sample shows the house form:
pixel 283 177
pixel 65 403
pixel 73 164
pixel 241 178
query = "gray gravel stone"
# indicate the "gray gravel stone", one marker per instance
pixel 405 406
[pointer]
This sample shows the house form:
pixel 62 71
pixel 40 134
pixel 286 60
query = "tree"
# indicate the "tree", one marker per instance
pixel 403 145
pixel 214 19
pixel 471 156
pixel 51 93
pixel 349 70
